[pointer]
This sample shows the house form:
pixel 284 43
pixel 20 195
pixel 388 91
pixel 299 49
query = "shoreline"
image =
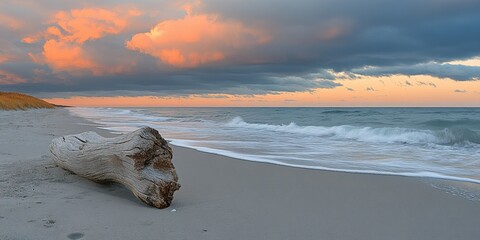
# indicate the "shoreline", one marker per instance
pixel 424 175
pixel 220 198
pixel 259 158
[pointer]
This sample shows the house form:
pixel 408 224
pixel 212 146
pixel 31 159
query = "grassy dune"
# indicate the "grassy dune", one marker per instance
pixel 19 101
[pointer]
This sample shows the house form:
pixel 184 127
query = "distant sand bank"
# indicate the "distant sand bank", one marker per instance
pixel 20 101
pixel 220 198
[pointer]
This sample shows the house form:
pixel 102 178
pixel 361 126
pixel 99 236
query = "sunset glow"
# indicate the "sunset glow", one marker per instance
pixel 384 91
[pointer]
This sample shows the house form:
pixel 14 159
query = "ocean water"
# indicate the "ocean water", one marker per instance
pixel 427 142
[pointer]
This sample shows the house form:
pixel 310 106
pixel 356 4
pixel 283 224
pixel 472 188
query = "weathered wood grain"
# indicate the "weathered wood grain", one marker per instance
pixel 140 160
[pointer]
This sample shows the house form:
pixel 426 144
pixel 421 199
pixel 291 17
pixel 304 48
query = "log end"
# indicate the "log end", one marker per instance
pixel 161 196
pixel 154 160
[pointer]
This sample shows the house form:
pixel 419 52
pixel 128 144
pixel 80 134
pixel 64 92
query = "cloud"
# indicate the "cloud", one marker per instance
pixel 474 62
pixel 196 39
pixel 4 58
pixel 460 91
pixel 64 48
pixel 10 22
pixel 455 72
pixel 7 78
pixel 350 89
pixel 421 83
pixel 218 96
pixel 238 80
pixel 67 56
pixel 370 89
pixel 82 25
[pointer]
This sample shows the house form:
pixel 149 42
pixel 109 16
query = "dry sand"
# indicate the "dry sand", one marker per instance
pixel 220 198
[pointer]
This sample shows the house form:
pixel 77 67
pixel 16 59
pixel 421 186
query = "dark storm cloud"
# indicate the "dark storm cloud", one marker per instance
pixel 232 81
pixel 456 72
pixel 376 32
pixel 310 41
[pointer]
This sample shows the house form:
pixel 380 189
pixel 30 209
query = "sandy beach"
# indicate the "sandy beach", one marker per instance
pixel 220 197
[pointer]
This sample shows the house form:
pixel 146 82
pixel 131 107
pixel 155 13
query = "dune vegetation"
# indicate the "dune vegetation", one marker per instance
pixel 20 101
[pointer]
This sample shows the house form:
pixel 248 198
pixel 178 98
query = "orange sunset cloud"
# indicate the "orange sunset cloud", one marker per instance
pixel 63 49
pixel 85 24
pixel 66 56
pixel 196 39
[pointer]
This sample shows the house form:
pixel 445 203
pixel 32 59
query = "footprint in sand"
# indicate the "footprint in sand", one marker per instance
pixel 75 236
pixel 48 223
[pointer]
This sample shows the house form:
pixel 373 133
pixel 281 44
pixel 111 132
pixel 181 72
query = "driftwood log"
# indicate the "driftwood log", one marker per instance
pixel 140 160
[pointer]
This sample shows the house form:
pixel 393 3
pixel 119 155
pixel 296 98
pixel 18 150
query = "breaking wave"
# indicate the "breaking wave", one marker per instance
pixel 446 136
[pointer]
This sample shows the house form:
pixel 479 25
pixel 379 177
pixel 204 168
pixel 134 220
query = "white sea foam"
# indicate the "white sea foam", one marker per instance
pixel 257 158
pixel 113 114
pixel 368 134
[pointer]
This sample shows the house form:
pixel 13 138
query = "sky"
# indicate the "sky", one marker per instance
pixel 242 52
